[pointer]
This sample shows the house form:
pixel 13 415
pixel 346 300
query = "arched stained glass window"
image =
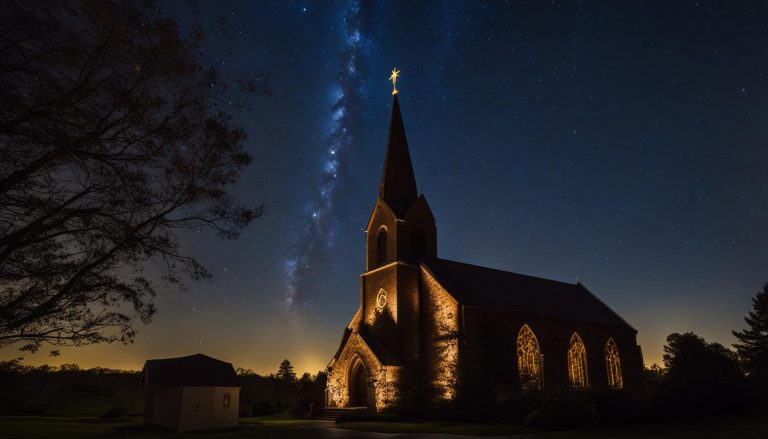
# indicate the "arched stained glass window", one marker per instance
pixel 529 359
pixel 381 246
pixel 577 362
pixel 613 365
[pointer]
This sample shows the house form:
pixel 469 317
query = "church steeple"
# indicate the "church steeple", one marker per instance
pixel 401 227
pixel 398 184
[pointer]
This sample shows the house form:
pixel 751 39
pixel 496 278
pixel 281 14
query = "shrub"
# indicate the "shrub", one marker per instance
pixel 303 406
pixel 564 410
pixel 615 406
pixel 514 407
pixel 116 411
pixel 27 409
pixel 262 408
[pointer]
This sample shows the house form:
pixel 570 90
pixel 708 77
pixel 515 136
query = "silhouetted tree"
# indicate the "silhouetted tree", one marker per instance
pixel 114 136
pixel 285 372
pixel 701 378
pixel 653 377
pixel 311 394
pixel 263 395
pixel 753 341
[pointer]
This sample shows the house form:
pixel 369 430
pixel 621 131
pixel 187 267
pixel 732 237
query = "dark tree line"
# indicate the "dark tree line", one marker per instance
pixel 281 392
pixel 28 390
pixel 698 379
pixel 115 135
pixel 752 346
pixel 704 379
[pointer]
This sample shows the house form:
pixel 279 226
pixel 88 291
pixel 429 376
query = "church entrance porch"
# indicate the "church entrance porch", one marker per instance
pixel 358 384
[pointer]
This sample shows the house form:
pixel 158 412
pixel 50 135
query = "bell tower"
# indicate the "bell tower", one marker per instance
pixel 400 233
pixel 401 227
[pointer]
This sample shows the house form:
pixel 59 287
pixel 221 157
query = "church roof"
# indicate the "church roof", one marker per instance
pixel 398 184
pixel 381 353
pixel 191 371
pixel 385 357
pixel 511 292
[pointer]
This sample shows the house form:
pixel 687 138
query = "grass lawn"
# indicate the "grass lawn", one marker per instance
pixel 282 427
pixel 78 406
pixel 478 429
pixel 61 427
pixel 726 428
pixel 742 428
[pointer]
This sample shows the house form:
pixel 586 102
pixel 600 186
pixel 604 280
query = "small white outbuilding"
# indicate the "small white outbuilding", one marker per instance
pixel 190 393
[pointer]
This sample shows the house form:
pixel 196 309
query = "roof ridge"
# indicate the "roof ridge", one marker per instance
pixel 604 304
pixel 506 291
pixel 505 271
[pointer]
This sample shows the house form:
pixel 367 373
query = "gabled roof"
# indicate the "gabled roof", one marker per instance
pixel 381 353
pixel 357 327
pixel 511 292
pixel 385 357
pixel 398 184
pixel 191 371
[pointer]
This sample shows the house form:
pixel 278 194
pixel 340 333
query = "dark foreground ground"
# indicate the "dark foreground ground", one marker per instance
pixel 31 427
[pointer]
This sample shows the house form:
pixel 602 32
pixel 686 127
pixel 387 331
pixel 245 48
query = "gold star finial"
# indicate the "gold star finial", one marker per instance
pixel 393 77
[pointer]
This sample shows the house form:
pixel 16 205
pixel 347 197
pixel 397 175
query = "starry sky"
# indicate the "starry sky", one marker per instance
pixel 621 144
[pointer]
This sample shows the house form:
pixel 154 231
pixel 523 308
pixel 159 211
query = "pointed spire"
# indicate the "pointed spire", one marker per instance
pixel 398 184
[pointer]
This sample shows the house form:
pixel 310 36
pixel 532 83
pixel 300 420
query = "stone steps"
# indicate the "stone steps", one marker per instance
pixel 331 413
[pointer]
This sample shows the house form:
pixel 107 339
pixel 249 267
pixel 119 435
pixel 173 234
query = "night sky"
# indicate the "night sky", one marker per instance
pixel 624 145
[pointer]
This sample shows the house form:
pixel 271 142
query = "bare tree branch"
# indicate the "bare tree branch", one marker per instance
pixel 110 142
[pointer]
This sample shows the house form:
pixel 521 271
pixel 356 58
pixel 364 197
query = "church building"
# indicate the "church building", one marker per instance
pixel 416 308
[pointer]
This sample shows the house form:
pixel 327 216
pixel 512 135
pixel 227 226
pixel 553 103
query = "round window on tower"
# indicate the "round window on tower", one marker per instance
pixel 381 300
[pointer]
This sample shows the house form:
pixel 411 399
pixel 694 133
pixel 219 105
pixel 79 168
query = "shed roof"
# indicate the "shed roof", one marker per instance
pixel 196 370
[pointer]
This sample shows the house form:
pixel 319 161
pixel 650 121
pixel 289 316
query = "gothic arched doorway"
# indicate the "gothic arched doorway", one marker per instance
pixel 358 384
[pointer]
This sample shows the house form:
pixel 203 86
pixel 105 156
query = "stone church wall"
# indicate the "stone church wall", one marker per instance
pixel 381 380
pixel 396 325
pixel 484 329
pixel 440 335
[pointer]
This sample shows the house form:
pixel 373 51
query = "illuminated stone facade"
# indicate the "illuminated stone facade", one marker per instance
pixel 418 309
pixel 378 379
pixel 441 327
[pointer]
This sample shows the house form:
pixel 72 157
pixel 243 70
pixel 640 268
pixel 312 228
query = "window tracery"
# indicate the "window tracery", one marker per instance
pixel 613 364
pixel 577 362
pixel 529 359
